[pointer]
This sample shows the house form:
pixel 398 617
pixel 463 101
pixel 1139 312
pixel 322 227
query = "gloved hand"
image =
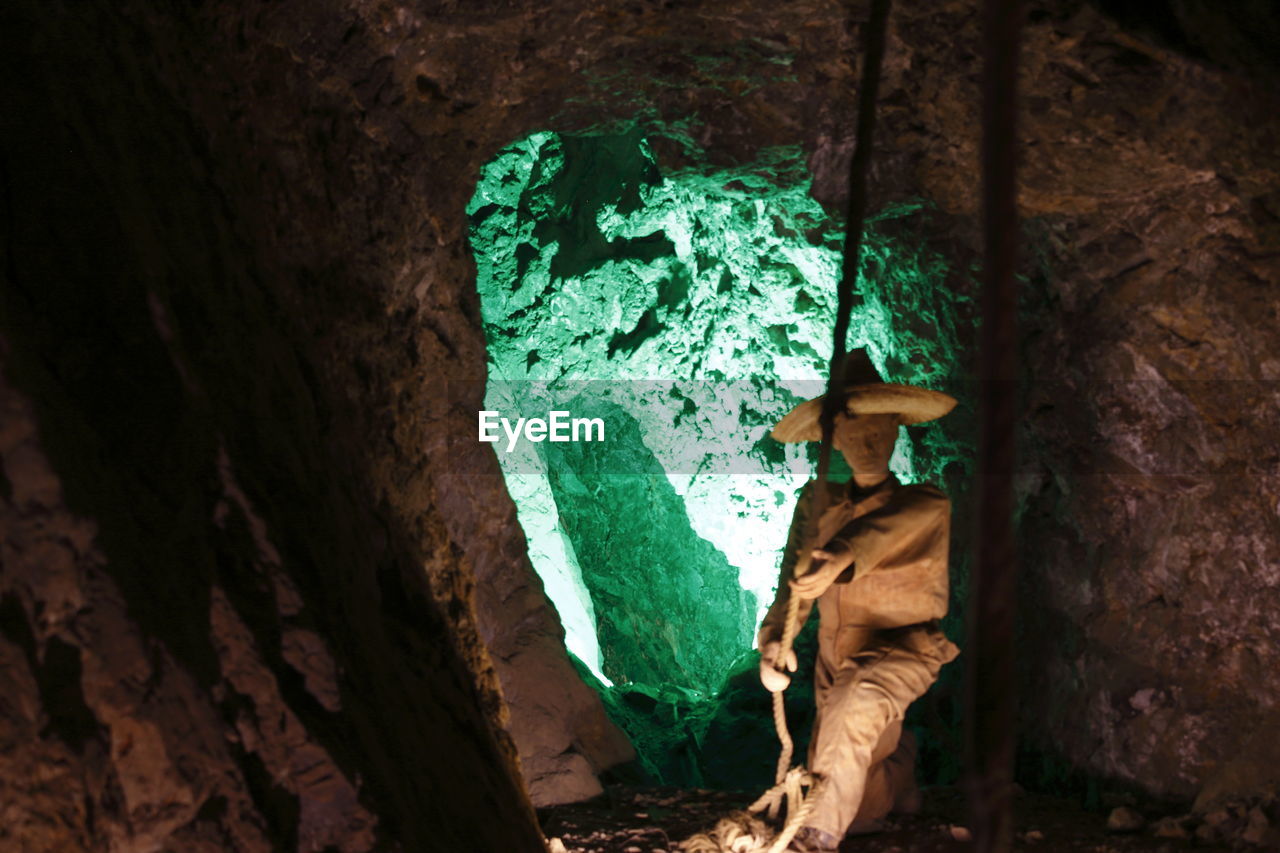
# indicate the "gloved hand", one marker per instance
pixel 773 680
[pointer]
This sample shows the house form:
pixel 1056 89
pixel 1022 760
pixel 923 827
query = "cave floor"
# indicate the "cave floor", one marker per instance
pixel 655 820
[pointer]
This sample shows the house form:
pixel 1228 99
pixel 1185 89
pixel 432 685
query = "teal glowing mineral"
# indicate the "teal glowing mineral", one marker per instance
pixel 689 312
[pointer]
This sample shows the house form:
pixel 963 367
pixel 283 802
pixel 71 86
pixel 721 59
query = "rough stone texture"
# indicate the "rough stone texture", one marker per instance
pixel 1149 484
pixel 214 637
pixel 110 742
pixel 282 188
pixel 558 724
pixel 350 265
pixel 1151 501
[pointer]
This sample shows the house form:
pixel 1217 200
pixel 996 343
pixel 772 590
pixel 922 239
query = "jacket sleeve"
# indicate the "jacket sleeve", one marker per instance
pixel 900 560
pixel 771 627
pixel 902 526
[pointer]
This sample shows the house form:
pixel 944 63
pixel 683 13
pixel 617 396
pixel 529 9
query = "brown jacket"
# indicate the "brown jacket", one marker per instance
pixel 899 536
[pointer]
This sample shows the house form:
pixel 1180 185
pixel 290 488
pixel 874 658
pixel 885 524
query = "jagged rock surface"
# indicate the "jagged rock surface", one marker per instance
pixel 1149 188
pixel 288 185
pixel 699 304
pixel 1149 520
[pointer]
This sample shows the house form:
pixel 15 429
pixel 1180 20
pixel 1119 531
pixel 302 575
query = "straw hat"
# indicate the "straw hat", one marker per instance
pixel 866 393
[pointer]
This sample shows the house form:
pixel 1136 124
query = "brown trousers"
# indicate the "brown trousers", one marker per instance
pixel 857 744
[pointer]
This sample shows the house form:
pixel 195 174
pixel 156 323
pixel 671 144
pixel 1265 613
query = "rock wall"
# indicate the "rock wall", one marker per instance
pixel 255 221
pixel 699 303
pixel 669 606
pixel 1151 525
pixel 217 632
pixel 1148 481
pixel 112 740
pixel 340 204
pixel 1149 191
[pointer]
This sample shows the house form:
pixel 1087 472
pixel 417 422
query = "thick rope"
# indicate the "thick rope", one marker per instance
pixel 743 833
pixel 789 628
pixel 834 400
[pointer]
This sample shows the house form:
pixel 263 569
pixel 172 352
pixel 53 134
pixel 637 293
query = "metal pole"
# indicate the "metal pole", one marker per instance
pixel 991 717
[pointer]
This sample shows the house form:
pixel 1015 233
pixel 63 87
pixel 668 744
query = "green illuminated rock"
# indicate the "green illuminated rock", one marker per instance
pixel 668 604
pixel 700 305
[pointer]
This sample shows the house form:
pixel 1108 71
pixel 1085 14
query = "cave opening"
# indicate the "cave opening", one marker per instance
pixel 685 310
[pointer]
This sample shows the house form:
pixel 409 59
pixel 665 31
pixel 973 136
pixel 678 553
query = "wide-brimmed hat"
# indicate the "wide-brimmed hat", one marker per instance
pixel 866 393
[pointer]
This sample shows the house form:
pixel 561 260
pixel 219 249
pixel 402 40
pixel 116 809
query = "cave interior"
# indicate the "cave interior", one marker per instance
pixel 262 589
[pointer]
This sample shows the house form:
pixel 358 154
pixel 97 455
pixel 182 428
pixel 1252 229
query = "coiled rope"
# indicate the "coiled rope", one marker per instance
pixel 742 832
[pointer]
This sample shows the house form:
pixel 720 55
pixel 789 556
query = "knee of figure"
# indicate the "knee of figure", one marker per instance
pixel 890 741
pixel 874 710
pixel 873 692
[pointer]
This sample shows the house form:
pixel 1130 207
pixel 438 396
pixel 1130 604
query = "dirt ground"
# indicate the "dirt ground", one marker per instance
pixel 655 820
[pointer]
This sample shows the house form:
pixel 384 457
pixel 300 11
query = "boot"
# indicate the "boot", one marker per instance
pixel 810 840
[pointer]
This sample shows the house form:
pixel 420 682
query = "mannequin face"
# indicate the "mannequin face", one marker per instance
pixel 866 441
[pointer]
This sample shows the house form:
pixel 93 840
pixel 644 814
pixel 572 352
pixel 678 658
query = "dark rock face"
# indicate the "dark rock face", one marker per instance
pixel 1150 532
pixel 134 720
pixel 215 636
